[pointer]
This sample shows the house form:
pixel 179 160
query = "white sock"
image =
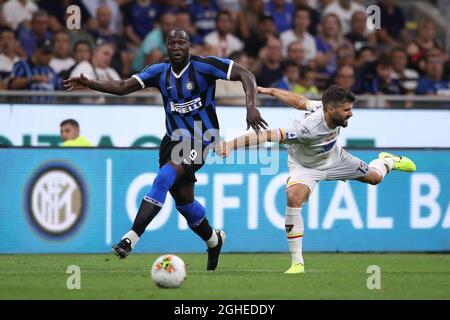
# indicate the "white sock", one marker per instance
pixel 134 238
pixel 294 229
pixel 383 166
pixel 213 241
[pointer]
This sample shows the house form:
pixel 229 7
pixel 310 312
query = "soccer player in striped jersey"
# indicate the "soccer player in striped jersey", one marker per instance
pixel 187 85
pixel 315 155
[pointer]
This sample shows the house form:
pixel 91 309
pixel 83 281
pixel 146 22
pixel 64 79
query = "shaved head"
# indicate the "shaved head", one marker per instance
pixel 178 33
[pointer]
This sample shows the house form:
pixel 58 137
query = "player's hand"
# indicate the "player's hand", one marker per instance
pixel 255 120
pixel 77 83
pixel 264 90
pixel 222 149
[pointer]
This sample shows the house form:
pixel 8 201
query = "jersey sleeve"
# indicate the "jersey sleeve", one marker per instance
pixel 218 68
pixel 313 105
pixel 295 132
pixel 150 75
pixel 19 70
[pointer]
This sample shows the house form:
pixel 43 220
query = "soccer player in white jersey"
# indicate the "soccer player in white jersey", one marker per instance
pixel 314 155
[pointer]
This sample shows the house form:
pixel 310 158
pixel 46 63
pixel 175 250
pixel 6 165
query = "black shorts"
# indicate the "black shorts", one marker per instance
pixel 191 155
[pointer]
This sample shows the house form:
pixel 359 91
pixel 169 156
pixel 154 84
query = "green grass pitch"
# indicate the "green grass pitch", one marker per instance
pixel 239 276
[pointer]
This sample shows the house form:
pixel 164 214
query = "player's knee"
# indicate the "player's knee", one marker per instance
pixel 375 179
pixel 294 199
pixel 165 178
pixel 194 213
pixel 161 182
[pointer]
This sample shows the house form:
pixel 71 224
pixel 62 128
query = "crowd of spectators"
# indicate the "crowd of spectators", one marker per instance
pixel 299 45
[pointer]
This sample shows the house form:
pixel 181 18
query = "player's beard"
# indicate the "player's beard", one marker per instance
pixel 341 122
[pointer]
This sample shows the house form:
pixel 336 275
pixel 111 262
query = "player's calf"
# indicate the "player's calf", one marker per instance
pixel 294 231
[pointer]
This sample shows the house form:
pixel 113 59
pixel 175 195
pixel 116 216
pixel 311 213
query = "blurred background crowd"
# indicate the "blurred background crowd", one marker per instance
pixel 299 45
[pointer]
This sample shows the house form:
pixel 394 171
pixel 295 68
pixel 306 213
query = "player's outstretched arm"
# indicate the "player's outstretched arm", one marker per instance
pixel 254 119
pixel 223 148
pixel 293 99
pixel 117 87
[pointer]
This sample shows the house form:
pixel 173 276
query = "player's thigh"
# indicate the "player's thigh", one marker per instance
pixel 348 167
pixel 301 183
pixel 183 193
pixel 297 194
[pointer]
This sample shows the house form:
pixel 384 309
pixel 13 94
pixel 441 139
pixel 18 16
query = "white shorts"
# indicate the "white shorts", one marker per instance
pixel 346 167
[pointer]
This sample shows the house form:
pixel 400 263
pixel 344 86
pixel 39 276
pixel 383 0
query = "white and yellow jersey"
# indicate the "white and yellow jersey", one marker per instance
pixel 309 140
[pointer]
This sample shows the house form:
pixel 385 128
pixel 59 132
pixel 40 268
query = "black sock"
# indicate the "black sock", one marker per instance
pixel 204 230
pixel 147 211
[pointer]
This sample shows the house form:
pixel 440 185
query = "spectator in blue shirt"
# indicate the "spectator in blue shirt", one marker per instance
pixel 291 77
pixel 282 13
pixel 39 30
pixel 392 21
pixel 377 78
pixel 139 18
pixel 434 82
pixel 153 48
pixel 204 14
pixel 35 73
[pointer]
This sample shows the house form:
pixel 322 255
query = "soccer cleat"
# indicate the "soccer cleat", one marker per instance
pixel 214 253
pixel 400 163
pixel 122 249
pixel 296 268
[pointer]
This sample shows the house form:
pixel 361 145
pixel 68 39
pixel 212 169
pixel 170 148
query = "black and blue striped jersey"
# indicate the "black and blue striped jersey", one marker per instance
pixel 28 69
pixel 189 96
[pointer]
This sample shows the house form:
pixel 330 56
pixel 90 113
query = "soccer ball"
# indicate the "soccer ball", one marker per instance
pixel 168 271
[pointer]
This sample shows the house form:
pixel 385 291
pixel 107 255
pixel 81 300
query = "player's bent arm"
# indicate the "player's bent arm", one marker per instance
pixel 239 73
pixel 290 98
pixel 117 87
pixel 254 119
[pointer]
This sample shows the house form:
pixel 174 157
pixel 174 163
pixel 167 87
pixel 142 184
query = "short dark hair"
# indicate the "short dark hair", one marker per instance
pixel 7 29
pixel 364 48
pixel 237 55
pixel 61 31
pixel 302 8
pixel 384 60
pixel 399 49
pixel 224 12
pixel 71 122
pixel 39 13
pixel 82 42
pixel 336 96
pixel 289 63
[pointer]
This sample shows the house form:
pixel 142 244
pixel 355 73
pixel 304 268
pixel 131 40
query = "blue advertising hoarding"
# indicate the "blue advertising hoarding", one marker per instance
pixel 84 200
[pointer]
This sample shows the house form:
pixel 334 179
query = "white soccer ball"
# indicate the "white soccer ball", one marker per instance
pixel 168 271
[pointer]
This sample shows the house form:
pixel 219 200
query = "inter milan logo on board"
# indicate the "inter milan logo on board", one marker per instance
pixel 190 85
pixel 55 200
